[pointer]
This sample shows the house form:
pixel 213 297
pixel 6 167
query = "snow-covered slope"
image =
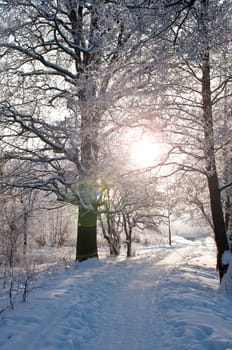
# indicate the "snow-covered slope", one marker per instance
pixel 164 298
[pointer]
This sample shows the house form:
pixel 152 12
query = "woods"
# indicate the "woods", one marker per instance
pixel 81 80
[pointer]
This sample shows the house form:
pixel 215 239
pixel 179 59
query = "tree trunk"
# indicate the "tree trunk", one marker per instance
pixel 87 218
pixel 25 234
pixel 218 222
pixel 169 231
pixel 86 63
pixel 129 248
pixel 87 235
pixel 209 150
pixel 128 232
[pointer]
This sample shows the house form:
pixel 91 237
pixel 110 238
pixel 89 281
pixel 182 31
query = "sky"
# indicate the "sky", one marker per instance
pixel 163 298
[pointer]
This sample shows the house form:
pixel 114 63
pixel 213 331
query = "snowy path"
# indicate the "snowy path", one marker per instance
pixel 138 304
pixel 98 306
pixel 128 314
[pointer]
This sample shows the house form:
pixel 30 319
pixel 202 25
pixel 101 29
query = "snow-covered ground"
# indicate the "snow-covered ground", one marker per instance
pixel 164 298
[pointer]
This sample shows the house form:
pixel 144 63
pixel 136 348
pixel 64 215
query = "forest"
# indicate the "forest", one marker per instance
pixel 115 118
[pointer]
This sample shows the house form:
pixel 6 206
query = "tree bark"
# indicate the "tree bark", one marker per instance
pixel 128 232
pixel 87 235
pixel 169 230
pixel 85 66
pixel 209 150
pixel 87 218
pixel 218 222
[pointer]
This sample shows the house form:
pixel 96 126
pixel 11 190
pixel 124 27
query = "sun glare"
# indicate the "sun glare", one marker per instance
pixel 145 152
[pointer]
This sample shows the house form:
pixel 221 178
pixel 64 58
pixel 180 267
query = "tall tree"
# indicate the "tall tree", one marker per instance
pixel 211 169
pixel 195 93
pixel 63 64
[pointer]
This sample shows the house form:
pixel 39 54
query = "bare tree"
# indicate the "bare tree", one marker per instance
pixel 197 127
pixel 59 60
pixel 110 219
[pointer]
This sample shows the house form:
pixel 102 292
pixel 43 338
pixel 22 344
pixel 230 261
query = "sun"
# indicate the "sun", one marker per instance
pixel 145 152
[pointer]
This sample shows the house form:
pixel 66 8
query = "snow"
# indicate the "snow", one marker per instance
pixel 226 285
pixel 226 257
pixel 164 298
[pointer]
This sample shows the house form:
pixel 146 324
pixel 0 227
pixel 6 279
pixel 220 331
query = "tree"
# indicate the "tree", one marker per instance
pixel 59 59
pixel 110 219
pixel 131 198
pixel 197 137
pixel 211 169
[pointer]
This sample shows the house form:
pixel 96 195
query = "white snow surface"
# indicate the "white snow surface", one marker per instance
pixel 164 298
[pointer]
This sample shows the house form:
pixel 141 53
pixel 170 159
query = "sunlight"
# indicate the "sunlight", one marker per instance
pixel 145 152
